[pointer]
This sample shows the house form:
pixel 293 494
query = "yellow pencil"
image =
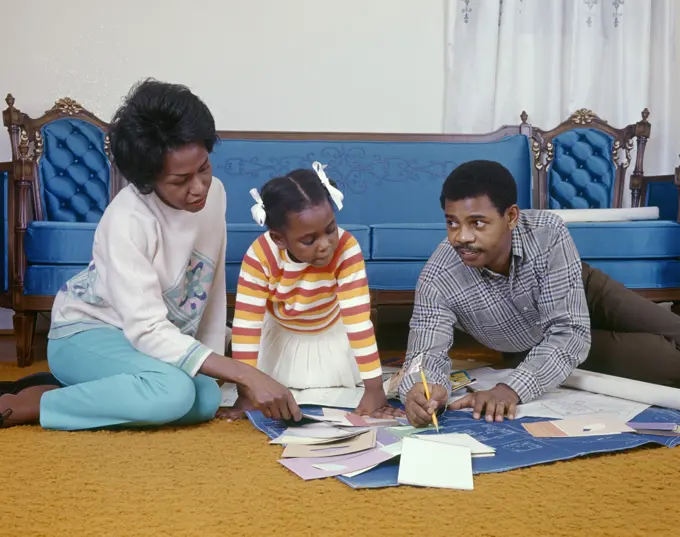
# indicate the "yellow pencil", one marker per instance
pixel 427 394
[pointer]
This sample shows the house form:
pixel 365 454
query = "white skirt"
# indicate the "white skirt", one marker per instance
pixel 300 360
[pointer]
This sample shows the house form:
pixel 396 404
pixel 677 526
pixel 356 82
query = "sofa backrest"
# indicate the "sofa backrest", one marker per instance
pixel 582 163
pixel 62 162
pixel 384 177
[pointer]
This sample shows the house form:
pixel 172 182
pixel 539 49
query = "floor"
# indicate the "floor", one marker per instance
pixel 223 479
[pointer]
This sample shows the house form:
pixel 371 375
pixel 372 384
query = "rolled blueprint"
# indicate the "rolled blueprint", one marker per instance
pixel 632 390
pixel 623 214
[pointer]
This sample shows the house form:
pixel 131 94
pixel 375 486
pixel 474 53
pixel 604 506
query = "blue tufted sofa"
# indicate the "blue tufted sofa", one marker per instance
pixel 60 182
pixel 61 179
pixel 392 185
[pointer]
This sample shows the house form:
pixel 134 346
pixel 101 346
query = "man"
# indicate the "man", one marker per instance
pixel 514 281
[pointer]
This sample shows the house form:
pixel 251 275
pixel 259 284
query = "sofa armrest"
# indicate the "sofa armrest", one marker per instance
pixel 5 170
pixel 662 191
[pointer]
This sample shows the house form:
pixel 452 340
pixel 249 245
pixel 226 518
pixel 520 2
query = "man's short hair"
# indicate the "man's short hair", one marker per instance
pixel 478 178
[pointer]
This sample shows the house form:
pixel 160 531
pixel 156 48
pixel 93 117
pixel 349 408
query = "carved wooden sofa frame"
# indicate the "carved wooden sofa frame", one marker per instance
pixel 25 202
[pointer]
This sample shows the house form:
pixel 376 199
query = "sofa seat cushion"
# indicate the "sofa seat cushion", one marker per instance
pixel 59 243
pixel 633 273
pixel 241 236
pixel 644 239
pixel 641 273
pixel 45 280
pixel 405 242
pixel 70 243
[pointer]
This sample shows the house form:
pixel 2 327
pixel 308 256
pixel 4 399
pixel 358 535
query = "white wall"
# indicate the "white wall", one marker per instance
pixel 350 65
pixel 317 65
pixel 676 82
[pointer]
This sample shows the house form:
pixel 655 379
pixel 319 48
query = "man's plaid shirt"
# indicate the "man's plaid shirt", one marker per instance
pixel 541 307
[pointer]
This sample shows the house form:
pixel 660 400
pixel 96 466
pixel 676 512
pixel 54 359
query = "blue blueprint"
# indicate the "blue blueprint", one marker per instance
pixel 515 447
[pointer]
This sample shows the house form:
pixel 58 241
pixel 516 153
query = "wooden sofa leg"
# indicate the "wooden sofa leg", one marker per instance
pixel 24 328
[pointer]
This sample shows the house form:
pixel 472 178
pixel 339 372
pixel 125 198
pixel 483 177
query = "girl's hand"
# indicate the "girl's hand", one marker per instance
pixel 388 412
pixel 374 402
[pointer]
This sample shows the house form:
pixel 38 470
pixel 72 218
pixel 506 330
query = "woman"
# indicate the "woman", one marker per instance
pixel 138 337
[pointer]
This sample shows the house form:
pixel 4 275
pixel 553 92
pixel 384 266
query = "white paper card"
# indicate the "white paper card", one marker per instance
pixel 433 464
pixel 458 439
pixel 331 397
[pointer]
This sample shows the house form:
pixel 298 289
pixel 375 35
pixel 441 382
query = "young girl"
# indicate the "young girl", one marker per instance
pixel 138 337
pixel 302 305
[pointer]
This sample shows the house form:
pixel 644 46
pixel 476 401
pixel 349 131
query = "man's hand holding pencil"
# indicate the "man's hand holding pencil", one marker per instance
pixel 419 408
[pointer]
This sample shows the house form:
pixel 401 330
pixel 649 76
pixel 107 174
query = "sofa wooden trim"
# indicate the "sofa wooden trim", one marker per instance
pixel 24 205
pixel 542 145
pixel 5 298
pixel 507 130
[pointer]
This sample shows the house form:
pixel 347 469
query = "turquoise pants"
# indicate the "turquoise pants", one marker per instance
pixel 109 384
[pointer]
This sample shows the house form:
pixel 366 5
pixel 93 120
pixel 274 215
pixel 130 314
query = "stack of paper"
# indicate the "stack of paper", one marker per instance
pixel 315 433
pixel 347 446
pixel 319 458
pixel 335 442
pixel 342 418
pixel 661 429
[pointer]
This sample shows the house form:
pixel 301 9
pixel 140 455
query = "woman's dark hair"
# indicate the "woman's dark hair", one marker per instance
pixel 155 118
pixel 292 193
pixel 478 178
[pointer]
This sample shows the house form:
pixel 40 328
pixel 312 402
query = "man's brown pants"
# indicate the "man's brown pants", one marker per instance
pixel 632 337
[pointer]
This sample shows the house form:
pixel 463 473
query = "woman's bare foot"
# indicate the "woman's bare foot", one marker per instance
pixel 22 408
pixel 236 412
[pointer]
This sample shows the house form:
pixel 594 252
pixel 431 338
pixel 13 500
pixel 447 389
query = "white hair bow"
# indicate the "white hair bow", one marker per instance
pixel 257 210
pixel 336 195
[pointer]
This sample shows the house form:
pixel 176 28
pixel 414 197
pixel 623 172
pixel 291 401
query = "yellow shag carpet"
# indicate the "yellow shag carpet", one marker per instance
pixel 223 479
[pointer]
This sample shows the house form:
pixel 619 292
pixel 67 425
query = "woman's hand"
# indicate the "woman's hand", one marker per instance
pixel 270 397
pixel 256 389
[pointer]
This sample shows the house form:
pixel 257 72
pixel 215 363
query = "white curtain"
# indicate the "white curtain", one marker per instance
pixel 551 57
